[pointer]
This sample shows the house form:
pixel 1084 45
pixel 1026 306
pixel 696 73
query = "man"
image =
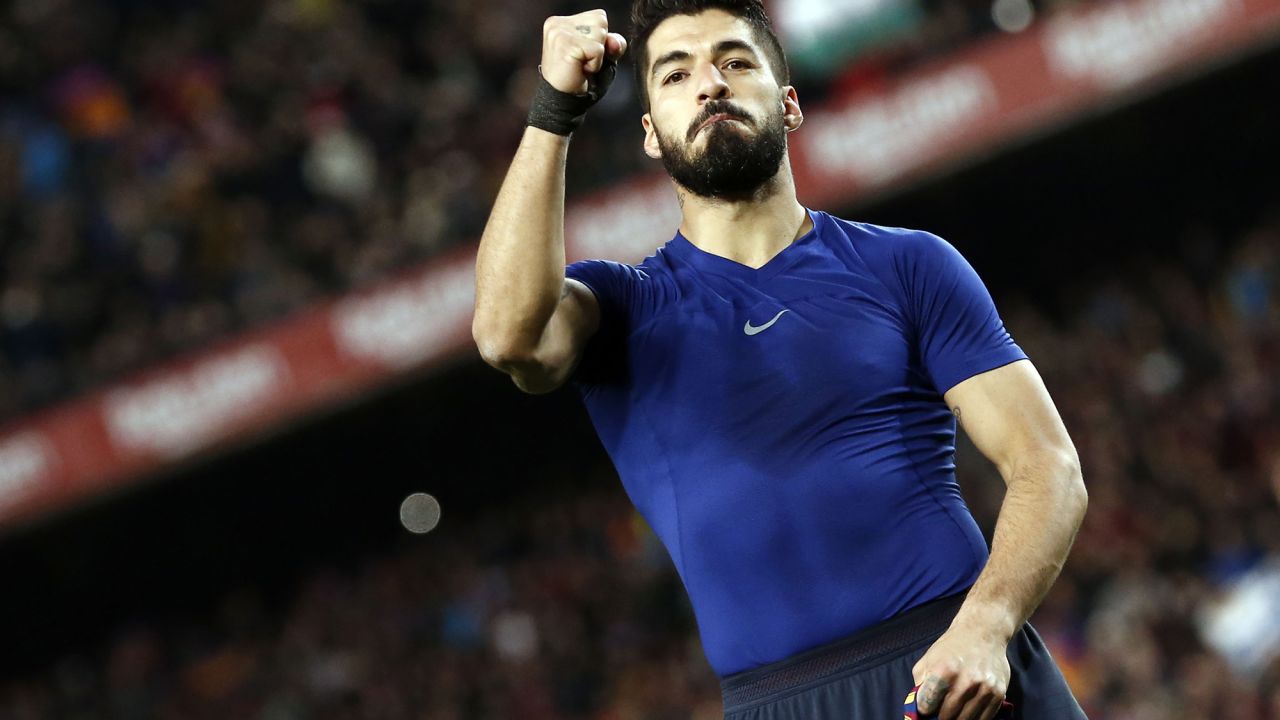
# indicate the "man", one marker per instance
pixel 779 390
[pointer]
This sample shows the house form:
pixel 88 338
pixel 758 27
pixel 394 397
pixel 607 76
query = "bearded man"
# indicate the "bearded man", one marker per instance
pixel 780 388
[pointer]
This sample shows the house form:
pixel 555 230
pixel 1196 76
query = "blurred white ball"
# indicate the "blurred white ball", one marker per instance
pixel 1013 16
pixel 420 513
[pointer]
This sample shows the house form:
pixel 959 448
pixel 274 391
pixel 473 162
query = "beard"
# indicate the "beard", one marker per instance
pixel 733 164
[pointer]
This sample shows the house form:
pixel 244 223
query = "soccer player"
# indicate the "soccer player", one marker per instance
pixel 779 390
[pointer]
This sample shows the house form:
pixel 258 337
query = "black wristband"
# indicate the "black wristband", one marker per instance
pixel 562 113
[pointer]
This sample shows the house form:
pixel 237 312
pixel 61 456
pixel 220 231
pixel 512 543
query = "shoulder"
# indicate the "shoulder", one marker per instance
pixel 894 254
pixel 652 270
pixel 634 291
pixel 887 240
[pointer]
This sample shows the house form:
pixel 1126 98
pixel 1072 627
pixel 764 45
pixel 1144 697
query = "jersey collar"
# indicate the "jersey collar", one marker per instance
pixel 687 252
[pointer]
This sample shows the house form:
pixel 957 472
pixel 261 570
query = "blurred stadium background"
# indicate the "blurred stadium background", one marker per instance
pixel 236 240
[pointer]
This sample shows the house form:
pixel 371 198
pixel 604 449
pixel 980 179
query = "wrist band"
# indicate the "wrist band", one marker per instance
pixel 562 113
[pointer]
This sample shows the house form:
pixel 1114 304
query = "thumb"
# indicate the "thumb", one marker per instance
pixel 615 45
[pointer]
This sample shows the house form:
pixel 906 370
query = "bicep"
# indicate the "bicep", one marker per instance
pixel 575 320
pixel 1008 414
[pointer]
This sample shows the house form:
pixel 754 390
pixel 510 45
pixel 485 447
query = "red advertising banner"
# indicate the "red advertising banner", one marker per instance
pixel 951 112
pixel 315 360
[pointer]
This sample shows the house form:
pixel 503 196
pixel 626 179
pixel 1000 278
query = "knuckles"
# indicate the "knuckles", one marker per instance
pixel 560 36
pixel 597 19
pixel 984 681
pixel 951 682
pixel 567 43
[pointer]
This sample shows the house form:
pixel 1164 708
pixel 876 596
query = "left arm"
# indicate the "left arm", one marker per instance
pixel 1008 414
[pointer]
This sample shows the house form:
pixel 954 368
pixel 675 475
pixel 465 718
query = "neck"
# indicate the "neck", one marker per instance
pixel 750 230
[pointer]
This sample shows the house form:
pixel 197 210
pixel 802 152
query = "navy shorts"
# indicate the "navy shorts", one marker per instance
pixel 868 675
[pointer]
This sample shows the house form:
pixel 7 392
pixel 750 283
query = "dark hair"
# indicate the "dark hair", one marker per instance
pixel 646 15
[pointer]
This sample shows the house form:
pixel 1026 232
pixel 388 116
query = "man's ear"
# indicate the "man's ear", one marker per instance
pixel 651 147
pixel 792 115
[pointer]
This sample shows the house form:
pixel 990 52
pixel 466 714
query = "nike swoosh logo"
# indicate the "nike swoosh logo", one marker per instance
pixel 753 330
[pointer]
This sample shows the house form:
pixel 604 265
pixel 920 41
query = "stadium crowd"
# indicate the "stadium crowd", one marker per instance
pixel 1166 374
pixel 171 172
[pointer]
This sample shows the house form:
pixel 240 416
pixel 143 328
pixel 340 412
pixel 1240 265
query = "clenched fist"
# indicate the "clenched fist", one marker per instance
pixel 574 49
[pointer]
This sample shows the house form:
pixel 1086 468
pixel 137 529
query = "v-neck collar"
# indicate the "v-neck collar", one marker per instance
pixel 705 261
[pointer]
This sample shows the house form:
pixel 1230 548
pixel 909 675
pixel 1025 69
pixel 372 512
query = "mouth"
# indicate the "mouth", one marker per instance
pixel 718 117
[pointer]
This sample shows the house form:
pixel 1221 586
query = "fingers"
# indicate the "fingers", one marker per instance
pixel 594 57
pixel 992 708
pixel 963 702
pixel 575 46
pixel 933 690
pixel 955 696
pixel 981 706
pixel 615 45
pixel 971 699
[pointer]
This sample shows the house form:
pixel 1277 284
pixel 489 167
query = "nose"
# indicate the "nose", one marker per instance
pixel 711 84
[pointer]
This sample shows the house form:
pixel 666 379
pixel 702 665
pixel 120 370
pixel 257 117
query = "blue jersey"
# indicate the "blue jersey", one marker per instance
pixel 782 429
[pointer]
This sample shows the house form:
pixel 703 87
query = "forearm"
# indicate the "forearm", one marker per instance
pixel 520 262
pixel 1038 520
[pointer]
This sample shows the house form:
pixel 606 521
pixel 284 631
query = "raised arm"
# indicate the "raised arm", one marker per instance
pixel 531 322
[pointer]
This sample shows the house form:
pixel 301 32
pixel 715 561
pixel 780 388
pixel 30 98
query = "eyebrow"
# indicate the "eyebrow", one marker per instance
pixel 722 47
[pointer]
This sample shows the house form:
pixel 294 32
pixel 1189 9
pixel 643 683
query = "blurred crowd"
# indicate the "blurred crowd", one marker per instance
pixel 1167 377
pixel 568 610
pixel 1166 373
pixel 174 171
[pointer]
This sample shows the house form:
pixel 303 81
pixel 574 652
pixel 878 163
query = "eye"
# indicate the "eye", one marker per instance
pixel 674 77
pixel 737 65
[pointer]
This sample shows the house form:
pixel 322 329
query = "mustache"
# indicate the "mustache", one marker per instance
pixel 717 107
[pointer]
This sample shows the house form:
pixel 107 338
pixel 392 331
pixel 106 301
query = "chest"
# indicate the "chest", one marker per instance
pixel 757 348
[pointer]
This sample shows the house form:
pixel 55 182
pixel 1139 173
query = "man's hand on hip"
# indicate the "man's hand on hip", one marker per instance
pixel 963 676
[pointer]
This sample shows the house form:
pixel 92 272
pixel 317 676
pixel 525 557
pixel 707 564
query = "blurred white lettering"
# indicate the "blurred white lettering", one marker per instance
pixel 184 411
pixel 24 461
pixel 1124 43
pixel 878 140
pixel 410 323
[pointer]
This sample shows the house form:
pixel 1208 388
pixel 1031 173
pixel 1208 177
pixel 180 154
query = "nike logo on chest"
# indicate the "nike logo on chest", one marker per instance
pixel 750 329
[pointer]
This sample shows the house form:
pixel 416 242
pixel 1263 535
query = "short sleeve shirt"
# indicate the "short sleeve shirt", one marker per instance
pixel 783 431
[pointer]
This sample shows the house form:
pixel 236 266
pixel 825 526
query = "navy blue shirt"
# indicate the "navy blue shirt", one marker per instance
pixel 782 429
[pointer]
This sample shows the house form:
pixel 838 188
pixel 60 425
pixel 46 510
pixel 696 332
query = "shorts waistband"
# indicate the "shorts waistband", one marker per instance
pixel 862 649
